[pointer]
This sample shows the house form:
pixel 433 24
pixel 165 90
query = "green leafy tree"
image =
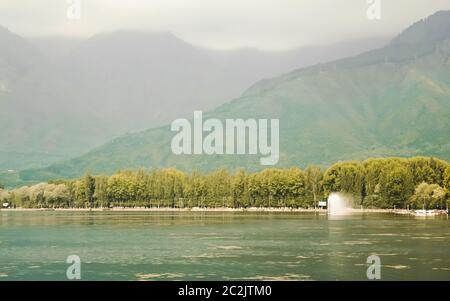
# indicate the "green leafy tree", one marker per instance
pixel 89 184
pixel 428 196
pixel 314 177
pixel 396 185
pixel 345 177
pixel 447 178
pixel 101 191
pixel 239 188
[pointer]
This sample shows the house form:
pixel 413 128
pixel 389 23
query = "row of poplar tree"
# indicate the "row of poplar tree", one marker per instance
pixel 418 182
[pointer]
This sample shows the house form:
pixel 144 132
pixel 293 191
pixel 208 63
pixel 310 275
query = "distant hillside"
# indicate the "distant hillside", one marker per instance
pixel 386 102
pixel 60 97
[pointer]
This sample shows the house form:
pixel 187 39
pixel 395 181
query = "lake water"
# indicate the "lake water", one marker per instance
pixel 221 246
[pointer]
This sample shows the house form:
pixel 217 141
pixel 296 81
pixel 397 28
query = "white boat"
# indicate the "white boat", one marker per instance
pixel 426 212
pixel 420 213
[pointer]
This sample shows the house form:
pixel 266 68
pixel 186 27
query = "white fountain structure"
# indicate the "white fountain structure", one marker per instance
pixel 338 204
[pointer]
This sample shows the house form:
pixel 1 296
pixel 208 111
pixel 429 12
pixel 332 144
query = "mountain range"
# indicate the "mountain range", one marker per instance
pixel 60 96
pixel 391 101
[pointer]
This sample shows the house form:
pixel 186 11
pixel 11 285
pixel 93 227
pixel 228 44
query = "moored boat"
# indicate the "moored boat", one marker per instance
pixel 429 212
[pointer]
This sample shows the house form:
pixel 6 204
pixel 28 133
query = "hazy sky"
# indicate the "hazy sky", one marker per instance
pixel 265 24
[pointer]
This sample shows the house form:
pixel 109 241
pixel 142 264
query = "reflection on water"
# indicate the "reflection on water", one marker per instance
pixel 221 246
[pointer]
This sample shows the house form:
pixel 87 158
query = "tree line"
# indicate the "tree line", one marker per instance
pixel 419 182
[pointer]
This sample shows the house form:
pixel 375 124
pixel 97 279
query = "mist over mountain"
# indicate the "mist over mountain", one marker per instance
pixel 426 31
pixel 393 101
pixel 61 96
pixel 16 56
